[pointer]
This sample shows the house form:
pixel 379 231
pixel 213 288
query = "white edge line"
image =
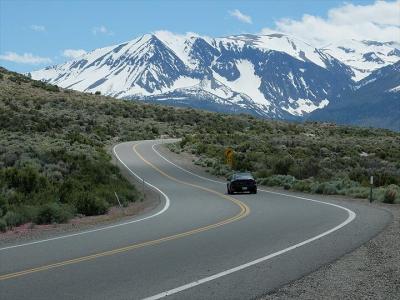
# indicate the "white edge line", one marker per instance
pixel 166 206
pixel 350 218
pixel 179 167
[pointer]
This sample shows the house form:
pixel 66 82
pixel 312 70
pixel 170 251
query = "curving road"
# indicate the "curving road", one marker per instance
pixel 199 243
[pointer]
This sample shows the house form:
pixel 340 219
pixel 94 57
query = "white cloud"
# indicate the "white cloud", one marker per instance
pixel 171 35
pixel 73 53
pixel 241 16
pixel 26 58
pixel 102 30
pixel 378 21
pixel 38 28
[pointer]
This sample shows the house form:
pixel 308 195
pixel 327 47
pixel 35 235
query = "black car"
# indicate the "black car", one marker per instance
pixel 241 182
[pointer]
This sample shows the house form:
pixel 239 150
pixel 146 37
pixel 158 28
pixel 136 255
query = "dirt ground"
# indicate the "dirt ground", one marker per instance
pixel 370 272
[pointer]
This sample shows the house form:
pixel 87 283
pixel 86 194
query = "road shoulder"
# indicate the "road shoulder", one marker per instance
pixel 370 272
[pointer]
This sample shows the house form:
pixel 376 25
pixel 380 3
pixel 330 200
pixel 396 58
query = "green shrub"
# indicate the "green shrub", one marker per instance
pixel 90 205
pixel 52 88
pixel 53 213
pixel 305 168
pixel 358 192
pixel 358 174
pixel 330 189
pixel 327 188
pixel 39 84
pixel 278 180
pixel 263 173
pixel 282 165
pixel 302 185
pixel 3 225
pixel 15 79
pixel 3 205
pixel 27 213
pixel 390 195
pixel 318 188
pixel 45 86
pixel 26 180
pixel 13 219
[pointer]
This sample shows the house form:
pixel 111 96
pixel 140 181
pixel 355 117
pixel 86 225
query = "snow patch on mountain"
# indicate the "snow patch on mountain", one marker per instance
pixel 215 87
pixel 180 45
pixel 364 56
pixel 292 46
pixel 274 42
pixel 181 82
pixel 300 107
pixel 247 83
pixel 395 89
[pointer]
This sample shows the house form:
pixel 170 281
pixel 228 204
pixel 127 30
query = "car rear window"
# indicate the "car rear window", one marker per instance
pixel 243 176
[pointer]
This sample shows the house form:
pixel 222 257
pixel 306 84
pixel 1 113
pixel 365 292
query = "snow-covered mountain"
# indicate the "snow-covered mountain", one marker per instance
pixel 271 75
pixel 364 57
pixel 375 101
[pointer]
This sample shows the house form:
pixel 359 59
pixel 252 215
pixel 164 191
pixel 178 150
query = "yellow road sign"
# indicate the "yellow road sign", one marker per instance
pixel 228 152
pixel 229 156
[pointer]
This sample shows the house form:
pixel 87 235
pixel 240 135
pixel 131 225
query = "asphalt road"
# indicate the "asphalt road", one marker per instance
pixel 199 243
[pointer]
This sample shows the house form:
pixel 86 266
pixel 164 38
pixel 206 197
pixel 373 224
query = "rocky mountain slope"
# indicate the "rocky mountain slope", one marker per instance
pixel 374 102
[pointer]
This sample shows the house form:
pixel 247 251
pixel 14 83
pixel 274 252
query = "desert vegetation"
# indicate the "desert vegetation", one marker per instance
pixel 54 162
pixel 309 157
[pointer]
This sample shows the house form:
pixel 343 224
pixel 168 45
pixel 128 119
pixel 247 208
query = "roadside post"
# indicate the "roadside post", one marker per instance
pixel 371 182
pixel 119 202
pixel 143 184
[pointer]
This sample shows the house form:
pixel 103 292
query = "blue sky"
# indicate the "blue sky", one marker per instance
pixel 34 34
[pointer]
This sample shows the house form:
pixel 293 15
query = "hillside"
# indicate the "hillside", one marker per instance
pixel 54 163
pixel 313 157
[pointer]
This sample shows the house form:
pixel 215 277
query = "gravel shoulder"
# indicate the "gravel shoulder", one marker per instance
pixel 370 272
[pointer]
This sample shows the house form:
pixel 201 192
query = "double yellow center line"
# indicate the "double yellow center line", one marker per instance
pixel 244 211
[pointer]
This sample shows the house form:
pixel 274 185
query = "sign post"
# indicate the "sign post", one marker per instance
pixel 371 182
pixel 229 156
pixel 143 184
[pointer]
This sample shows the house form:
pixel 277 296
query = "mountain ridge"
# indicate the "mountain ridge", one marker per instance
pixel 273 75
pixel 375 102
